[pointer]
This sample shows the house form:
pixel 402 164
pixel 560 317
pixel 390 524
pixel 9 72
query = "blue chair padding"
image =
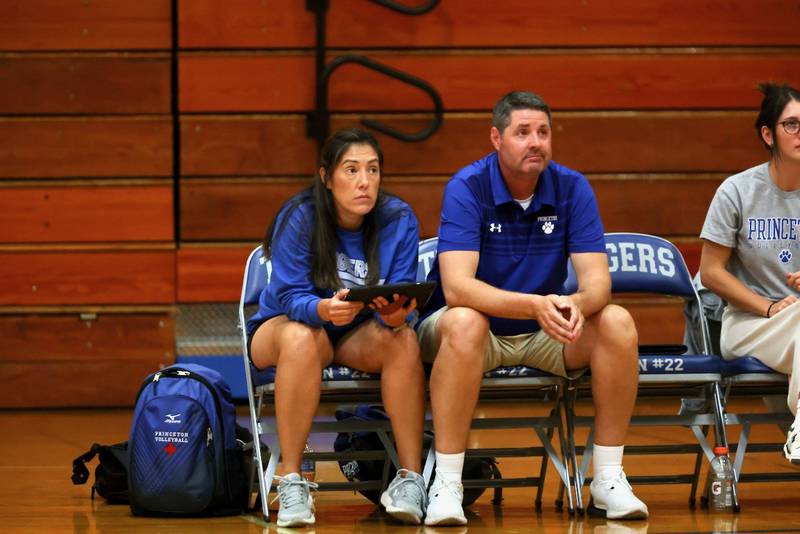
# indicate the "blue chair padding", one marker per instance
pixel 746 365
pixel 332 373
pixel 427 253
pixel 514 372
pixel 678 364
pixel 642 263
pixel 258 272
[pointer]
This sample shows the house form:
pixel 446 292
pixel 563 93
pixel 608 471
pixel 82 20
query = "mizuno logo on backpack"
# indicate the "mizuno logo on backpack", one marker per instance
pixel 184 457
pixel 173 419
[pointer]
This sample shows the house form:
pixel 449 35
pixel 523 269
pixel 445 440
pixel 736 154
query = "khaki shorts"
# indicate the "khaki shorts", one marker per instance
pixel 536 349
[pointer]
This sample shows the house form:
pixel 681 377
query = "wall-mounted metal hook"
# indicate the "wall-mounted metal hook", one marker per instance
pixel 320 119
pixel 407 10
pixel 318 124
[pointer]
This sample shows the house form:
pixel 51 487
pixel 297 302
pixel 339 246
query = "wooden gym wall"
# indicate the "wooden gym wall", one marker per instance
pixel 108 121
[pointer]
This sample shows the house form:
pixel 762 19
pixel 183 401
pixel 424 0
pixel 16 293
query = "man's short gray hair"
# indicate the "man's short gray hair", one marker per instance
pixel 501 114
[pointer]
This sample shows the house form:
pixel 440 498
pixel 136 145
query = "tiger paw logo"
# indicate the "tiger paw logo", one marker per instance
pixel 785 256
pixel 548 227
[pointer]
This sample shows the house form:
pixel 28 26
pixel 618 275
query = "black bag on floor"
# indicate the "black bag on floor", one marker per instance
pixel 110 475
pixel 363 470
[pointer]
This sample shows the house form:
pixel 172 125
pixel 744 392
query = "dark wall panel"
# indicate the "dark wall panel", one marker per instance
pixel 211 274
pixel 606 142
pixel 85 147
pixel 231 210
pixel 475 80
pixel 88 337
pixel 52 214
pixel 78 84
pixel 477 23
pixel 78 277
pixel 85 25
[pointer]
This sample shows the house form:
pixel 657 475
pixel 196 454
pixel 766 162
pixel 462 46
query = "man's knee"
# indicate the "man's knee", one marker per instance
pixel 615 325
pixel 465 333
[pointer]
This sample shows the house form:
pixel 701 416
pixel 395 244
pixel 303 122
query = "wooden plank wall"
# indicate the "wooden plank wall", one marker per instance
pixel 87 239
pixel 654 101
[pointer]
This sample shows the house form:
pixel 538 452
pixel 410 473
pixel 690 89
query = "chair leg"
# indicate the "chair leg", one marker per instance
pixel 255 403
pixel 430 462
pixel 268 476
pixel 559 462
pixel 698 464
pixel 543 469
pixel 571 456
pixel 722 439
pixel 560 496
pixel 255 463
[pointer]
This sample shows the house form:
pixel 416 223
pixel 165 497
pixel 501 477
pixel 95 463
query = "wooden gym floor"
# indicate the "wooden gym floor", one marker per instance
pixel 36 494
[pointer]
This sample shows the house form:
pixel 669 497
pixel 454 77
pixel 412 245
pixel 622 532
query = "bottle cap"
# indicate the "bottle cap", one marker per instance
pixel 720 450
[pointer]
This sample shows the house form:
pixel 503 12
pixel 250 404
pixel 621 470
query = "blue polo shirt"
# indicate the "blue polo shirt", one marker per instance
pixel 520 250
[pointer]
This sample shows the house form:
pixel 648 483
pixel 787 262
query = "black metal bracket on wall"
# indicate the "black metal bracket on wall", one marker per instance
pixel 318 121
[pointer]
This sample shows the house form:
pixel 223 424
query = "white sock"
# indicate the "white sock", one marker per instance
pixel 607 461
pixel 450 465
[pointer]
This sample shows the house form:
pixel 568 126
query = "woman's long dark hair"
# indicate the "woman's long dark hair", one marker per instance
pixel 324 240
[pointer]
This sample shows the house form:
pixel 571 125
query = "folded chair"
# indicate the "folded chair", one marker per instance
pixel 646 264
pixel 338 383
pixel 521 384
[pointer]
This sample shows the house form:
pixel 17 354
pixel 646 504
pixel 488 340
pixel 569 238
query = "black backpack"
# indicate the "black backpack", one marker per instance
pixel 110 475
pixel 363 470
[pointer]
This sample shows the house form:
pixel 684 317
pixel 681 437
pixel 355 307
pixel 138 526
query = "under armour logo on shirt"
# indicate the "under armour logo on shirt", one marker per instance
pixel 495 227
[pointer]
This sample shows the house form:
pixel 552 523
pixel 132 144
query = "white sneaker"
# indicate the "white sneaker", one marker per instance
pixel 613 498
pixel 296 503
pixel 792 447
pixel 444 502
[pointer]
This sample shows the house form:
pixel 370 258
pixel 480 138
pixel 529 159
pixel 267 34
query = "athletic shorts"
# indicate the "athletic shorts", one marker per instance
pixel 335 333
pixel 535 349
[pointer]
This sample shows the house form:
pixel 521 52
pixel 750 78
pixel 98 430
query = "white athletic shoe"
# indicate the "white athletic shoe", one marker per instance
pixel 613 498
pixel 792 447
pixel 444 503
pixel 296 503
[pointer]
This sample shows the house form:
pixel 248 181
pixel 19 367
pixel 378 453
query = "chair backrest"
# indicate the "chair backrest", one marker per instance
pixel 427 253
pixel 641 263
pixel 257 271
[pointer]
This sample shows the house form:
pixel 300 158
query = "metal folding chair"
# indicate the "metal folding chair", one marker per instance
pixel 749 378
pixel 641 263
pixel 338 383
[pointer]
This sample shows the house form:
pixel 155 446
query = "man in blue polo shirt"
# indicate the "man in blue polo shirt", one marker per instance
pixel 509 223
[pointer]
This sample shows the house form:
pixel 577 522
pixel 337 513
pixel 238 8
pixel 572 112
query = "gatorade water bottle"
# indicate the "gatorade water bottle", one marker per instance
pixel 720 481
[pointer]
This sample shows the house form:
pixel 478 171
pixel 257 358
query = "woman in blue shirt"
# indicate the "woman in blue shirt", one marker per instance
pixel 341 232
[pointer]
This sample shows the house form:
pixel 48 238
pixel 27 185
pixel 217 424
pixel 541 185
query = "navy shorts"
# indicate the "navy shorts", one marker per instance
pixel 335 333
